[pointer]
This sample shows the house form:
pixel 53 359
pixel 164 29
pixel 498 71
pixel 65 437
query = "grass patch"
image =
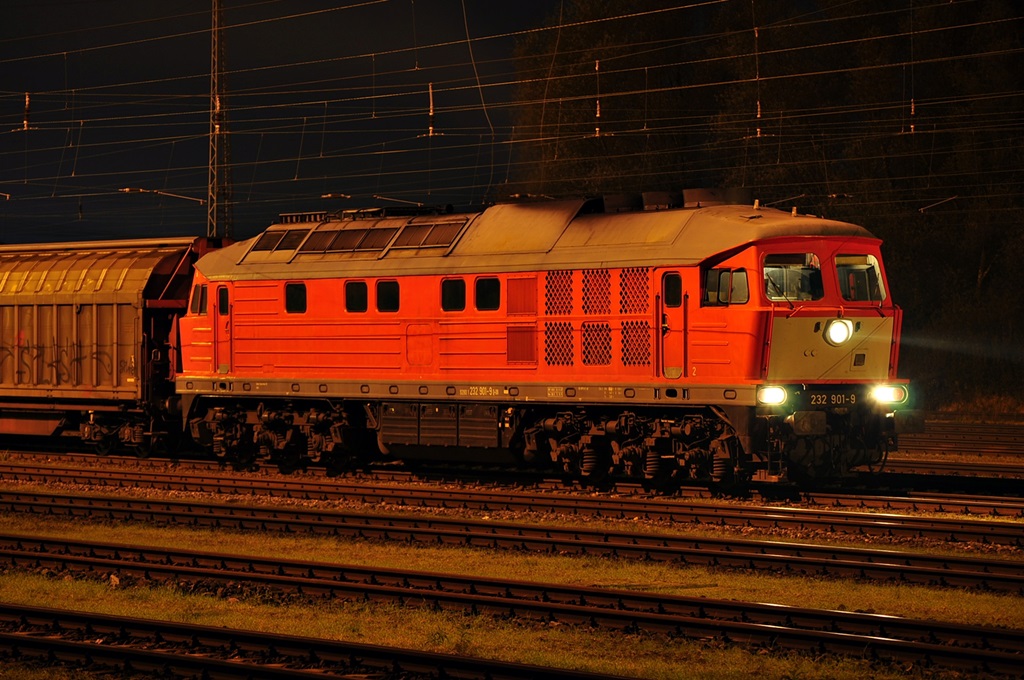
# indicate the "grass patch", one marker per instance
pixel 445 632
pixel 919 602
pixel 449 632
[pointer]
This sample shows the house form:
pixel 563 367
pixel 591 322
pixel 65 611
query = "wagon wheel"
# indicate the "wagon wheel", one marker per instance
pixel 104 445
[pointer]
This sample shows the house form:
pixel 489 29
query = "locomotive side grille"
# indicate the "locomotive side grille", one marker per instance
pixel 596 291
pixel 634 284
pixel 558 349
pixel 558 293
pixel 636 343
pixel 522 344
pixel 597 344
pixel 522 296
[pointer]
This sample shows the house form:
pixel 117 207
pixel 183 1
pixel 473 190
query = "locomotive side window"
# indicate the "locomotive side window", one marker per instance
pixel 672 289
pixel 295 298
pixel 488 294
pixel 199 299
pixel 860 278
pixel 387 296
pixel 453 295
pixel 223 301
pixel 355 296
pixel 792 276
pixel 726 287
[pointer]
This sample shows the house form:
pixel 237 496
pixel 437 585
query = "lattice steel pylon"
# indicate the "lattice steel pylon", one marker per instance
pixel 218 189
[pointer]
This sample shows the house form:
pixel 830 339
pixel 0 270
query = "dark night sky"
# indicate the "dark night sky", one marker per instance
pixel 321 99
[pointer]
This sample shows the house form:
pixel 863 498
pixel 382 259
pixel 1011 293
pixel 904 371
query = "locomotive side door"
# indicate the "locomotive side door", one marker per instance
pixel 222 330
pixel 672 333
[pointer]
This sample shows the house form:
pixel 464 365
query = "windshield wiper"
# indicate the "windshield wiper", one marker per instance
pixel 779 291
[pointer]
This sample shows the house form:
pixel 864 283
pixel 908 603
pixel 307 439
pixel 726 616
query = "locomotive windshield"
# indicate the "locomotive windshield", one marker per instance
pixel 860 278
pixel 792 276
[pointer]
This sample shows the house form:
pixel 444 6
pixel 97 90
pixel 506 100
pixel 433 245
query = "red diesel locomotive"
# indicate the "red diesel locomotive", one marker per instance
pixel 715 342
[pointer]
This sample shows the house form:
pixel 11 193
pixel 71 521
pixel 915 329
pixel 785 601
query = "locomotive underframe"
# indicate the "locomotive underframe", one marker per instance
pixel 587 440
pixel 657 443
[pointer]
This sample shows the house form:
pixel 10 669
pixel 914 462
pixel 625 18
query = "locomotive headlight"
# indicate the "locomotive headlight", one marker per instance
pixel 838 331
pixel 889 394
pixel 771 395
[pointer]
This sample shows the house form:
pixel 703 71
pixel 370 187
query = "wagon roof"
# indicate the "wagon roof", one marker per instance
pixel 505 237
pixel 86 272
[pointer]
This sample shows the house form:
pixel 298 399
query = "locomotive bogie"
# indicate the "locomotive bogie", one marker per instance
pixel 292 433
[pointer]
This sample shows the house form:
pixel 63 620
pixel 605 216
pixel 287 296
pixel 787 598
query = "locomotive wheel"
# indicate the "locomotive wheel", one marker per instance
pixel 242 462
pixel 103 446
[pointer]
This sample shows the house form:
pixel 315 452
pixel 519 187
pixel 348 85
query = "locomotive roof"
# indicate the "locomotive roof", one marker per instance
pixel 505 237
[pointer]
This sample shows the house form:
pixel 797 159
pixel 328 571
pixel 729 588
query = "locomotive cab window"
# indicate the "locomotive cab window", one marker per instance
pixel 387 296
pixel 860 278
pixel 792 277
pixel 488 294
pixel 453 295
pixel 198 299
pixel 726 287
pixel 295 298
pixel 223 301
pixel 672 289
pixel 355 296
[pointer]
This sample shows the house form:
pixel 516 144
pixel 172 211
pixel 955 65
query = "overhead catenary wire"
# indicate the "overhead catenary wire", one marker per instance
pixel 280 116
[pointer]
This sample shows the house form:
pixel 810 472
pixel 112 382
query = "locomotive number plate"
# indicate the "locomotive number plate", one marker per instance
pixel 833 398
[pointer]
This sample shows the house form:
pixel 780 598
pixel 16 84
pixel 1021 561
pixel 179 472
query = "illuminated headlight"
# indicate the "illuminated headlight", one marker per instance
pixel 838 331
pixel 771 396
pixel 889 394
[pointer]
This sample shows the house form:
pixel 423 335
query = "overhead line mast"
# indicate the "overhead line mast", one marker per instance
pixel 218 190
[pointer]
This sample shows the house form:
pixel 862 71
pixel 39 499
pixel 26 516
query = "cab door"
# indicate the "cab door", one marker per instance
pixel 222 330
pixel 672 335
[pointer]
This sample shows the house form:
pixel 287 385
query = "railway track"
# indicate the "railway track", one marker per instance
pixel 725 552
pixel 135 646
pixel 29 466
pixel 676 512
pixel 964 647
pixel 980 439
pixel 936 467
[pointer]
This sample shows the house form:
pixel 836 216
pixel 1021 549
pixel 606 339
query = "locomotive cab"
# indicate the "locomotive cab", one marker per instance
pixel 830 399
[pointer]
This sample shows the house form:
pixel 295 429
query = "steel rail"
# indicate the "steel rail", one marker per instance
pixel 599 607
pixel 964 504
pixel 936 466
pixel 966 438
pixel 793 558
pixel 216 652
pixel 674 510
